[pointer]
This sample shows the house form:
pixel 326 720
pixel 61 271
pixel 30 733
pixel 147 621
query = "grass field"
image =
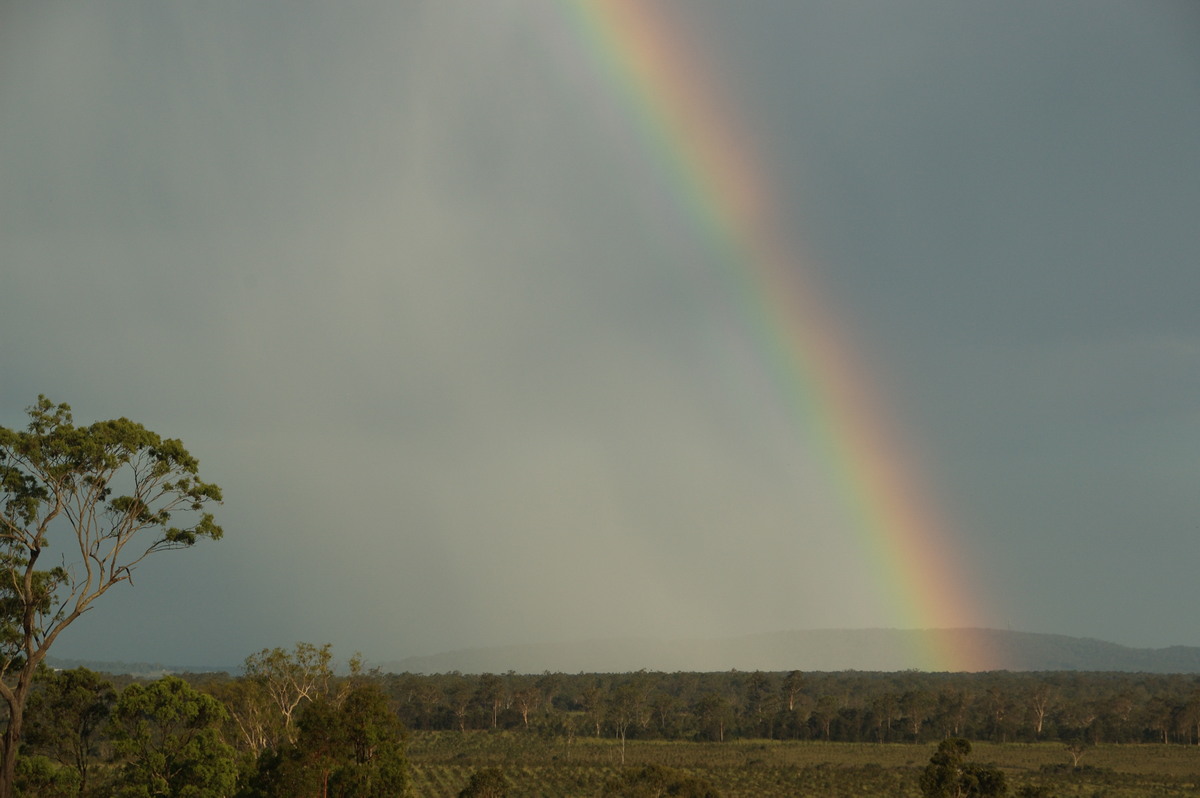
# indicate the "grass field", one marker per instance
pixel 548 768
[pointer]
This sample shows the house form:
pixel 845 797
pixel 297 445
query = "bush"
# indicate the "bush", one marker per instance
pixel 949 775
pixel 486 783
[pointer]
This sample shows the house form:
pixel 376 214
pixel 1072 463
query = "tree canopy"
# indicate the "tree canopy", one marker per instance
pixel 170 736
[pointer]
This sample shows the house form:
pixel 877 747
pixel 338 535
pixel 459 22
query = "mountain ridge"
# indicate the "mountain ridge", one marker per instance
pixel 812 650
pixel 883 650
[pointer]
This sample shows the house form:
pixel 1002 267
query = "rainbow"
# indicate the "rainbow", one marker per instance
pixel 715 176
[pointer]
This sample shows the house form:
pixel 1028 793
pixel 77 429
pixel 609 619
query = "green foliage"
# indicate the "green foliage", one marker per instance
pixel 713 715
pixel 340 748
pixel 254 724
pixel 168 735
pixel 354 748
pixel 910 707
pixel 949 775
pixel 109 481
pixel 41 777
pixel 289 680
pixel 373 762
pixel 65 716
pixel 485 783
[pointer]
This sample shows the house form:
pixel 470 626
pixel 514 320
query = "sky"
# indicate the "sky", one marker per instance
pixel 421 290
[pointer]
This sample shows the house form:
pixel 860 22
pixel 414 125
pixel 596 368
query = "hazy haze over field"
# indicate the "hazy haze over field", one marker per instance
pixel 405 279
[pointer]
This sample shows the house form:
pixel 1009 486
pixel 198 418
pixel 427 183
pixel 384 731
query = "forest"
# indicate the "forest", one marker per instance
pixel 905 707
pixel 296 723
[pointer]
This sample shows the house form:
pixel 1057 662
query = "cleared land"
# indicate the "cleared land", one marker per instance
pixel 551 768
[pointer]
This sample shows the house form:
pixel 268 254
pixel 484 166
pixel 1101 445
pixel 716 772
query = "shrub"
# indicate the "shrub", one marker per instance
pixel 949 775
pixel 486 783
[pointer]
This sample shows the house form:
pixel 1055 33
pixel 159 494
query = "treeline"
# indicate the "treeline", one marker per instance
pixel 914 707
pixel 294 725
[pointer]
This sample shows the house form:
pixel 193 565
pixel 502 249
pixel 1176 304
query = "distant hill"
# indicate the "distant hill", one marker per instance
pixel 817 650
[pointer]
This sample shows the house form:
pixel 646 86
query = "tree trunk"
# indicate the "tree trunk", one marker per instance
pixel 10 743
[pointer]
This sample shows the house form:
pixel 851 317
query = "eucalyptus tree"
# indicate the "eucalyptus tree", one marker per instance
pixel 527 700
pixel 350 747
pixel 290 680
pixel 254 721
pixel 490 695
pixel 762 699
pixel 1041 700
pixel 591 701
pixel 95 501
pixel 714 715
pixel 949 775
pixel 66 715
pixel 460 696
pixel 624 708
pixel 793 684
pixel 168 735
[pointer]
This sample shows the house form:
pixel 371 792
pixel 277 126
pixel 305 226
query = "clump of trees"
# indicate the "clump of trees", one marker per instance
pixel 188 738
pixel 352 747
